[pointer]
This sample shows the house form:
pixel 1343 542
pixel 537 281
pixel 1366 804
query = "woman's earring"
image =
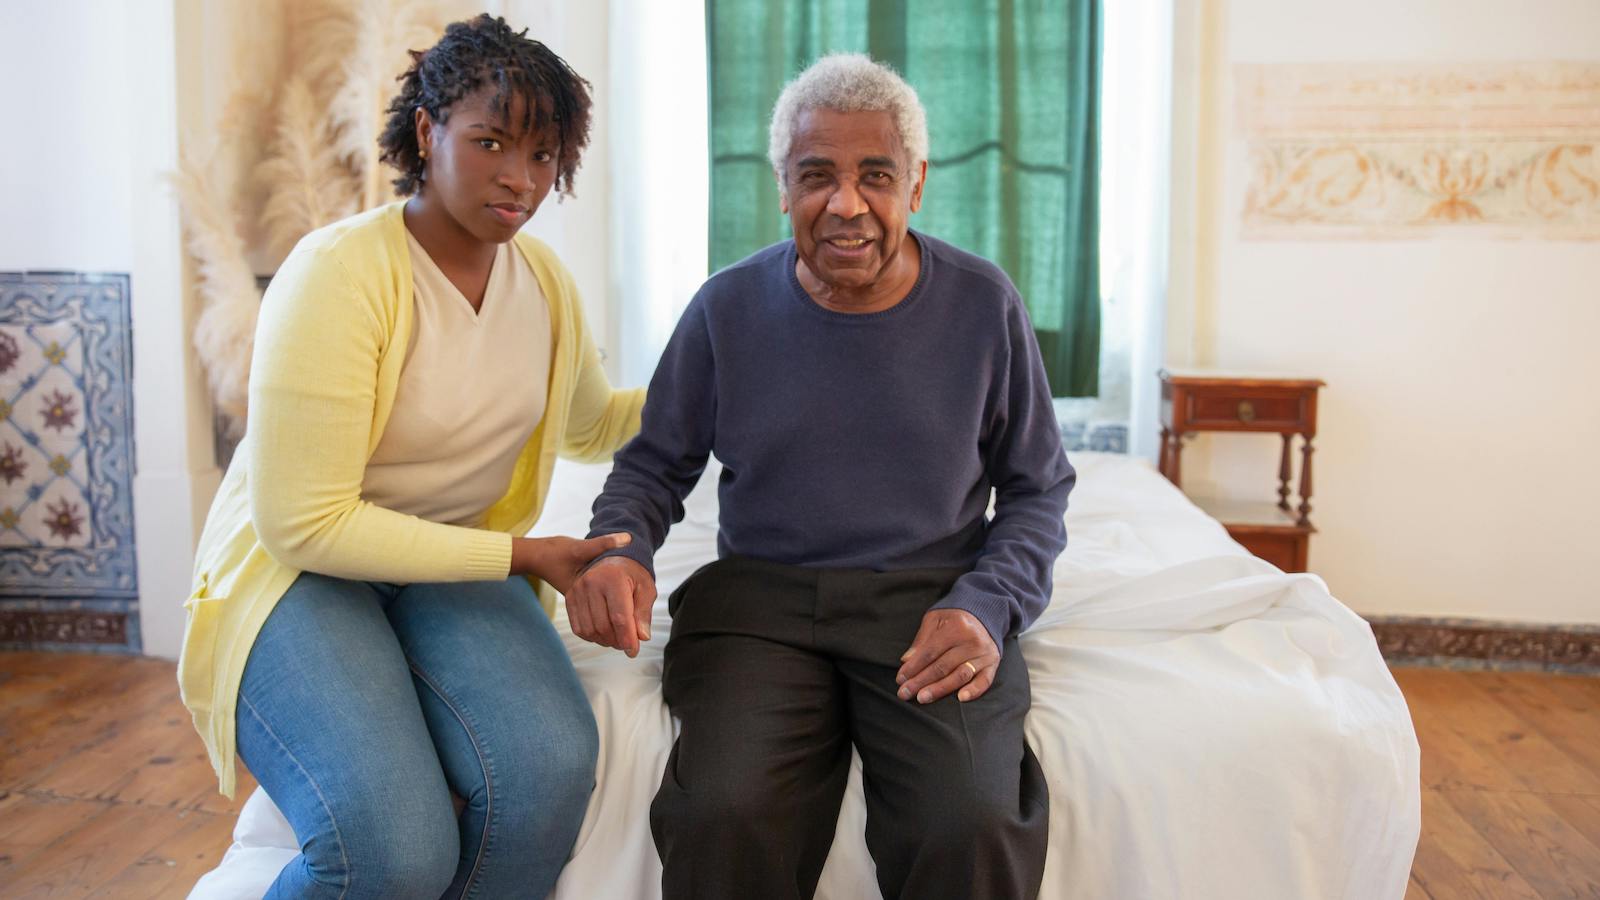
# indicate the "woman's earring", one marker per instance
pixel 423 154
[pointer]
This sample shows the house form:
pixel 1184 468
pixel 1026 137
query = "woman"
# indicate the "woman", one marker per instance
pixel 360 630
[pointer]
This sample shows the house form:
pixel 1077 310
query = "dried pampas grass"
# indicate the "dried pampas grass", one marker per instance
pixel 340 60
pixel 370 44
pixel 308 186
pixel 225 332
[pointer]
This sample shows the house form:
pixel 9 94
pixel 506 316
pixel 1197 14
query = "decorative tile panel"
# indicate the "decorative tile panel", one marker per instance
pixel 1373 151
pixel 1107 437
pixel 66 461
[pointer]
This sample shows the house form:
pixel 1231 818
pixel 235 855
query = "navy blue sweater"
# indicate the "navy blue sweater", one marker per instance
pixel 858 440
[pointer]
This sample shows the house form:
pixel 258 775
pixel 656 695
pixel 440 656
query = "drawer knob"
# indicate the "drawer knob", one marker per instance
pixel 1247 411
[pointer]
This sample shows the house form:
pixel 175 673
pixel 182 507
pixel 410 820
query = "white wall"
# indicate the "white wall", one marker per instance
pixel 578 229
pixel 1454 472
pixel 66 175
pixel 635 235
pixel 94 129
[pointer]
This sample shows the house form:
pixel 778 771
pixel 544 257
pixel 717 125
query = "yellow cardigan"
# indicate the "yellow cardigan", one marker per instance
pixel 330 343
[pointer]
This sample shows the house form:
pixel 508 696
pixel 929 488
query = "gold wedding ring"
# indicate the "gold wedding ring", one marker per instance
pixel 974 668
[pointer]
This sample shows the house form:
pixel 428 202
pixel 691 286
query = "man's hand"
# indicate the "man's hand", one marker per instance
pixel 951 652
pixel 610 604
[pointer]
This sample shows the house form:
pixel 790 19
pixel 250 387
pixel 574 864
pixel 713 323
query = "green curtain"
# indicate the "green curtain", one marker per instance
pixel 1012 90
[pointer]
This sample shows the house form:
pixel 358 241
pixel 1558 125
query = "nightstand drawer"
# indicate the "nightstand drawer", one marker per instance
pixel 1253 409
pixel 1286 550
pixel 1213 401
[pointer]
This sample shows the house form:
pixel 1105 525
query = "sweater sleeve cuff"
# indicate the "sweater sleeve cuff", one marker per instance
pixel 488 556
pixel 993 612
pixel 637 550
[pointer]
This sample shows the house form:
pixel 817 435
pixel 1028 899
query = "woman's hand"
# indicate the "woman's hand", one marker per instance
pixel 558 560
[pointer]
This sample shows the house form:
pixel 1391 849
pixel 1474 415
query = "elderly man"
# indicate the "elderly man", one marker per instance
pixel 865 387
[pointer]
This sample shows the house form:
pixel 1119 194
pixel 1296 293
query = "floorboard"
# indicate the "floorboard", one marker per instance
pixel 105 791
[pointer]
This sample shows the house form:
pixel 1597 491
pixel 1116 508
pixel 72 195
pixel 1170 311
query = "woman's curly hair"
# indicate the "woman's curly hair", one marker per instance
pixel 481 51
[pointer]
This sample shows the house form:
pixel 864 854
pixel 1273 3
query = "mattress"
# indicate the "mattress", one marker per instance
pixel 1210 727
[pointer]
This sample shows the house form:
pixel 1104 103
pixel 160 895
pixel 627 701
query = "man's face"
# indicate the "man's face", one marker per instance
pixel 849 190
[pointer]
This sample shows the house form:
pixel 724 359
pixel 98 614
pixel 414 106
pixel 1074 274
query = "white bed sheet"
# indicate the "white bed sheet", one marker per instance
pixel 1209 726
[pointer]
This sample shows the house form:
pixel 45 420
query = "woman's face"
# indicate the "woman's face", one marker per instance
pixel 486 172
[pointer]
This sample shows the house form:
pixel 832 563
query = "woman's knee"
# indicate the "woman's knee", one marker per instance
pixel 574 751
pixel 563 748
pixel 551 779
pixel 392 851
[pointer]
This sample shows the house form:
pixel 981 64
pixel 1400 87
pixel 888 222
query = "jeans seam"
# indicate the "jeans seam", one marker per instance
pixel 467 886
pixel 338 836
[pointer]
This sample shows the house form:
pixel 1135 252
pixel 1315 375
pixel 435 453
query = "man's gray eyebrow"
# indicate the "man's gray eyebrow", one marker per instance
pixel 878 162
pixel 814 162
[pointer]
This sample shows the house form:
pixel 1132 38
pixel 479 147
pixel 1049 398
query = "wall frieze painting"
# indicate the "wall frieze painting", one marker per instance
pixel 67 567
pixel 1383 151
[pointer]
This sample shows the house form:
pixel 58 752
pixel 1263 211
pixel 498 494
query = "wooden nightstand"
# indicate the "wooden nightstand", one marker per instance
pixel 1194 401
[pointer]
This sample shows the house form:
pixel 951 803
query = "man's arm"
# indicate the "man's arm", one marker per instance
pixel 958 647
pixel 610 601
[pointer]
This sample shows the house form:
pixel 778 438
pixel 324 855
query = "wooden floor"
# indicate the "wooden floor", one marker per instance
pixel 1510 784
pixel 104 787
pixel 105 791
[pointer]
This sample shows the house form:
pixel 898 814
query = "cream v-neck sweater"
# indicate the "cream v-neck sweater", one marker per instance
pixel 471 391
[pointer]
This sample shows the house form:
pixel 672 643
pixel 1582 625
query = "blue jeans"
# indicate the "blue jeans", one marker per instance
pixel 364 705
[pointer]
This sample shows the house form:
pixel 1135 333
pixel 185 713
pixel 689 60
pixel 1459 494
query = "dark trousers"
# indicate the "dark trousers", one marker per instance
pixel 774 671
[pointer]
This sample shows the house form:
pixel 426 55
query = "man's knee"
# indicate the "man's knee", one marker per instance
pixel 968 842
pixel 959 817
pixel 734 803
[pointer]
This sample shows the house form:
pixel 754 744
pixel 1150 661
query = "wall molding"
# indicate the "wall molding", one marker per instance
pixel 1381 151
pixel 1483 644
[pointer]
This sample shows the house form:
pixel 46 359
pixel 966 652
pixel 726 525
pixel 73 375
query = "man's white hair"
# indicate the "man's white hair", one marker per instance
pixel 848 82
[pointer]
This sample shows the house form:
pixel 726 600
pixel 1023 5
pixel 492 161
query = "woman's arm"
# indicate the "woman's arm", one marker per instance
pixel 601 418
pixel 313 394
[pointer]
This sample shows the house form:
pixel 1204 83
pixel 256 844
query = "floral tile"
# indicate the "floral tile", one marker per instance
pixel 66 459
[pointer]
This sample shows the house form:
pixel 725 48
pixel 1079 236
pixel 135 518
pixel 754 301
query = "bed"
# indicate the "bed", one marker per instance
pixel 1210 726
